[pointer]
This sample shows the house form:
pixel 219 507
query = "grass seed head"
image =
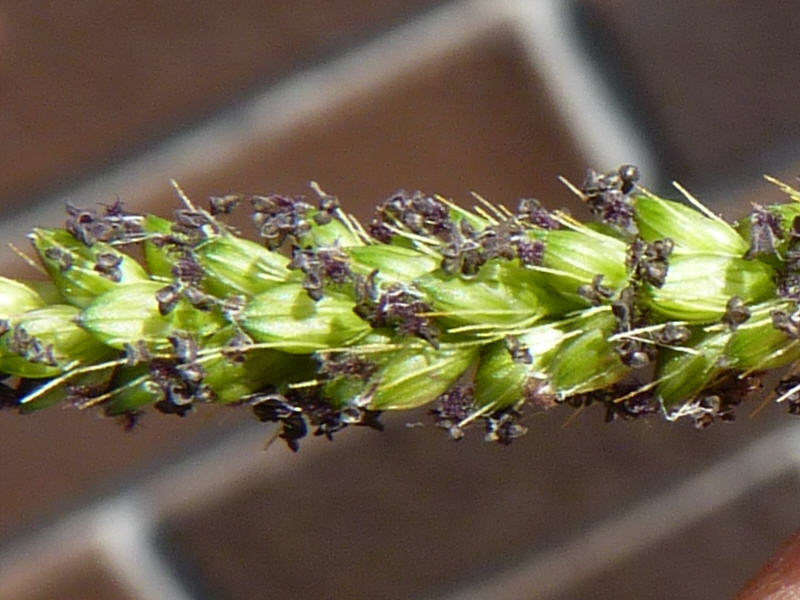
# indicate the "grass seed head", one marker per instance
pixel 322 323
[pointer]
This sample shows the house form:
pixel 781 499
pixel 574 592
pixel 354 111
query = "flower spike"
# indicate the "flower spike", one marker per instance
pixel 485 315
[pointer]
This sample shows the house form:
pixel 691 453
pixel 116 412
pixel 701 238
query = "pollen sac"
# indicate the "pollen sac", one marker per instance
pixel 649 262
pixel 768 228
pixel 131 314
pixel 453 407
pixel 17 298
pixel 112 225
pixel 531 212
pixel 698 287
pixel 46 341
pixel 736 313
pixel 418 213
pixel 607 194
pixel 288 318
pixel 279 218
pixel 689 229
pixel 327 265
pixel 82 272
pixel 394 306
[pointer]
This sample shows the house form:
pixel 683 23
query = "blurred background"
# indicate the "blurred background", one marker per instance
pixel 106 100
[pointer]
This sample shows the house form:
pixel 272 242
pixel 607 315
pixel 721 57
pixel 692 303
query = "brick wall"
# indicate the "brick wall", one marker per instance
pixel 99 101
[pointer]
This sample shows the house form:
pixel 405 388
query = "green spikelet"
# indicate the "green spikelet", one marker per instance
pixel 486 315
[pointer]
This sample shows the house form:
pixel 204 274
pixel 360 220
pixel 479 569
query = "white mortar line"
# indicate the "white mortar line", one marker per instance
pixel 582 95
pixel 124 530
pixel 119 528
pixel 558 569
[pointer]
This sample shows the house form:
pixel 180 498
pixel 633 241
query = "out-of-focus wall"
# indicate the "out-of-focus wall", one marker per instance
pixel 100 101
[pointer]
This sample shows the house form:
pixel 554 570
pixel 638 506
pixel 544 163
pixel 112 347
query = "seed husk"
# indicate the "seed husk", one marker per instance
pixel 76 270
pixel 288 318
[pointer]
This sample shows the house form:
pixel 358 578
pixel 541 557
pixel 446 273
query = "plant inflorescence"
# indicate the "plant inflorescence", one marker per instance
pixel 657 307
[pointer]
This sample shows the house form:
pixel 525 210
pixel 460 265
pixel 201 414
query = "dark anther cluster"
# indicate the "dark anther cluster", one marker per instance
pixel 114 225
pixel 789 277
pixel 462 253
pixel 634 353
pixel 649 263
pixel 607 194
pixel 633 407
pixel 765 231
pixel 194 226
pixel 518 351
pixel 236 348
pixel 130 420
pixel 61 257
pixel 329 264
pixel 500 241
pixel 275 408
pixel 531 212
pixel 82 395
pixel 328 205
pixel 187 271
pixel 466 250
pixel 223 205
pixel 671 334
pixel 345 364
pixel 630 407
pixel 418 213
pixel 530 252
pixel 788 323
pixel 167 298
pixel 298 409
pixel 188 277
pixel 719 401
pixel 785 387
pixel 538 394
pixel 736 313
pixel 452 408
pixel 279 218
pixel 715 408
pixel 595 293
pixel 179 381
pixel 503 426
pixel 136 353
pixel 394 306
pixel 107 264
pixel 27 346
